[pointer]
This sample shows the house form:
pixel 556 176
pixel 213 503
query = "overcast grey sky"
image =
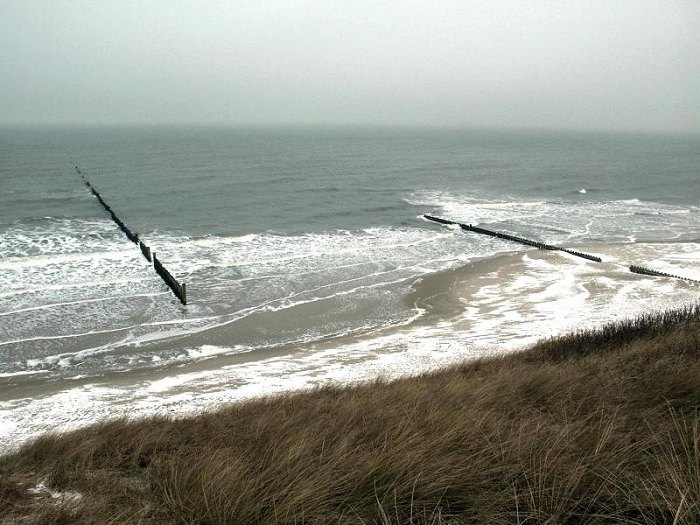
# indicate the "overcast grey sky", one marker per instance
pixel 597 64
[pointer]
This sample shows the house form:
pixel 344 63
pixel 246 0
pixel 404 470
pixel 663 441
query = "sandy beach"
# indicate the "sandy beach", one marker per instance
pixel 499 304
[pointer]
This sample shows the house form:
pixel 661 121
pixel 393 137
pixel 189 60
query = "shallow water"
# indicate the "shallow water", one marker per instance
pixel 306 257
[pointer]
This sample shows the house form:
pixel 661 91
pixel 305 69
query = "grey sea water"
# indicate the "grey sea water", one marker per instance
pixel 298 241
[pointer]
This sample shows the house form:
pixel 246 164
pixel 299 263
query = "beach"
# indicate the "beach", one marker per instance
pixel 495 305
pixel 307 258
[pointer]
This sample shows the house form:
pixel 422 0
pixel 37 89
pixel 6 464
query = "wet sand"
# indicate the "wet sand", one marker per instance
pixel 494 305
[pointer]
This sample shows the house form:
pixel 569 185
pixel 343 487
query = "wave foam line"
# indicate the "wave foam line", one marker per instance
pixel 84 301
pixel 317 254
pixel 23 373
pixel 241 314
pixel 62 258
pixel 268 306
pixel 67 336
pixel 87 284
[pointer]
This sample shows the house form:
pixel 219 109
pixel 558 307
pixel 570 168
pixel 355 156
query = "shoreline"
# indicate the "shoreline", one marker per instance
pixel 596 424
pixel 502 303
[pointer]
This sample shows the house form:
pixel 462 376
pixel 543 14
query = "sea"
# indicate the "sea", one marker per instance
pixel 307 258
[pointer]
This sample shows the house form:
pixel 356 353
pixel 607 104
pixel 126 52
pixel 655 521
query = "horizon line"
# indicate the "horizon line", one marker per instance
pixel 343 125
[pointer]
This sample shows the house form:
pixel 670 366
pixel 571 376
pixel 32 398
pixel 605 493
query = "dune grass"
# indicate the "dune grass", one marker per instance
pixel 600 426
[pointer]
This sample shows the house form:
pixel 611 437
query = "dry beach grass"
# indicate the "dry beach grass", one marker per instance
pixel 600 426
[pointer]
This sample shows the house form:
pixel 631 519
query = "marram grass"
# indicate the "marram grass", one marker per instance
pixel 600 426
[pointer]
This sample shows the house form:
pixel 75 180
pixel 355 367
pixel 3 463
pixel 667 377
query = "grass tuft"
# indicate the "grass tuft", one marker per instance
pixel 599 426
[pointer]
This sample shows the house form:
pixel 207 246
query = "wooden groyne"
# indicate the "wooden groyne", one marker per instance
pixel 513 238
pixel 646 271
pixel 179 289
pixel 132 236
pixel 146 251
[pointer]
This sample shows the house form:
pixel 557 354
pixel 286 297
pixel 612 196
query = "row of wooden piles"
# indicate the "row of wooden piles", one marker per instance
pixel 514 238
pixel 544 246
pixel 646 271
pixel 179 289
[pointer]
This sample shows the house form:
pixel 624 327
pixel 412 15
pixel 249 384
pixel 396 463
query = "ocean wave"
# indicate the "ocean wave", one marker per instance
pixel 53 236
pixel 576 222
pixel 58 310
pixel 87 300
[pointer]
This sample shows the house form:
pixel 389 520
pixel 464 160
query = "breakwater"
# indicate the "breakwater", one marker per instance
pixel 513 238
pixel 179 289
pixel 146 251
pixel 646 271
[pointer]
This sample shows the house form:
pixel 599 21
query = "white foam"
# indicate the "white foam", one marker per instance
pixel 73 303
pixel 585 221
pixel 66 336
pixel 22 373
pixel 45 296
pixel 217 241
pixel 206 351
pixel 495 318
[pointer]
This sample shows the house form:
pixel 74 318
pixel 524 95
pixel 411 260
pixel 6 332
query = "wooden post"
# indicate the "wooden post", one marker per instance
pixel 180 290
pixel 145 250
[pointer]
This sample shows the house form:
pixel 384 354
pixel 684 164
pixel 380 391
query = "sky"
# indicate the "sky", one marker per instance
pixel 556 64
